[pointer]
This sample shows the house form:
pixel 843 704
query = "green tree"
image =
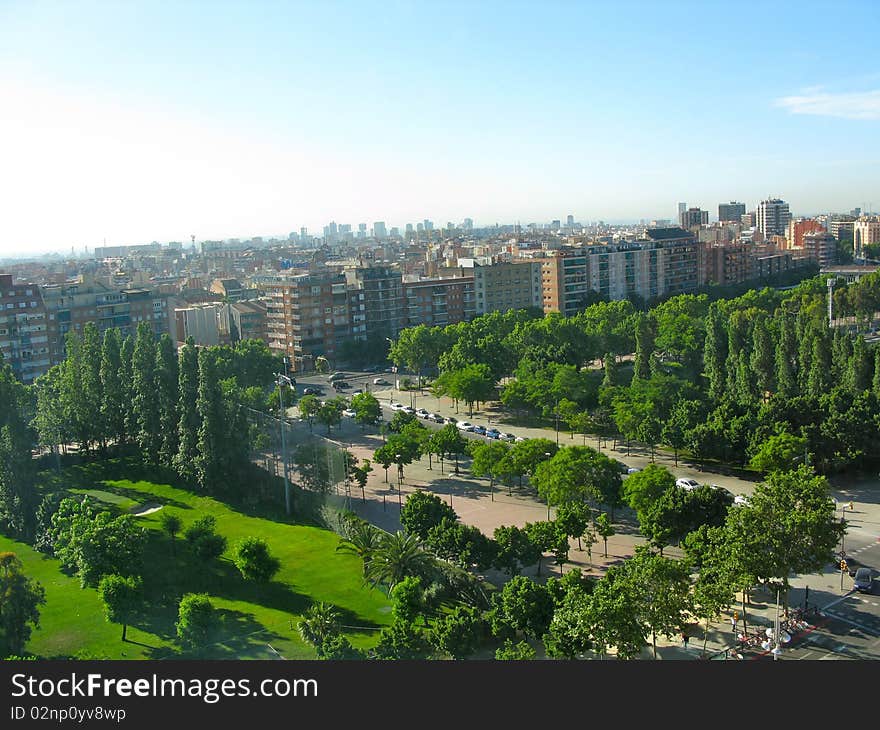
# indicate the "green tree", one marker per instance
pixel 663 590
pixel 366 408
pixel 361 539
pixel 875 380
pixel 254 561
pixel 330 412
pixel 92 394
pixel 645 335
pixel 786 357
pixel 167 393
pixel 819 378
pixel 448 441
pixel 461 544
pixel 762 359
pixel 485 458
pixel 398 556
pixel 211 444
pixel 402 641
pixel 574 474
pixel 145 398
pixel 859 367
pixel 778 452
pixel 122 599
pixel 515 549
pixel 309 407
pixel 18 495
pixel 459 633
pixel 171 524
pixel 407 599
pixel 605 529
pixel 197 621
pixel 715 353
pixel 788 527
pixel 422 511
pixel 188 425
pixel 203 539
pixel 643 488
pixel 610 369
pixel 320 626
pixel 131 417
pixel 522 606
pixel 574 518
pixel 521 651
pixel 114 404
pixel 20 601
pixel 612 616
pixel 681 420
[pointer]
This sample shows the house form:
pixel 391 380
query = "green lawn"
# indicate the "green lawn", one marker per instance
pixel 253 616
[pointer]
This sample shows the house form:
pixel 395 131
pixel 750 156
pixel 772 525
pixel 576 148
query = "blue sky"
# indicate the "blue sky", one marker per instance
pixel 139 121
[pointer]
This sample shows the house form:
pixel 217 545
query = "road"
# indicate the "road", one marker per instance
pixel 853 620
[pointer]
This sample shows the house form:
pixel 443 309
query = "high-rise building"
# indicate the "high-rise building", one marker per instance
pixel 555 224
pixel 772 217
pixel 24 336
pixel 693 218
pixel 821 246
pixel 505 285
pixel 682 207
pixel 569 221
pixel 362 230
pixel 429 225
pixel 379 230
pixel 377 305
pixel 731 212
pixel 468 224
pixel 409 228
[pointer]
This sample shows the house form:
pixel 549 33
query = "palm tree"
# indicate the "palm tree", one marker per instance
pixel 363 540
pixel 397 557
pixel 320 623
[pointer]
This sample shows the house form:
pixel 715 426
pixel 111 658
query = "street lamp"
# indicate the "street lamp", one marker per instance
pixel 547 454
pixel 399 470
pixel 281 378
pixel 776 635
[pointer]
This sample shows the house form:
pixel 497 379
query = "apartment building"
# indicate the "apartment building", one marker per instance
pixel 866 232
pixel 70 306
pixel 310 315
pixel 500 286
pixel 248 321
pixel 24 337
pixel 772 217
pixel 822 247
pixel 379 300
pixel 794 235
pixel 207 324
pixel 731 212
pixel 439 302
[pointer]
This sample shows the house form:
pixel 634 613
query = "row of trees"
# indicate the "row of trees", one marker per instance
pixel 715 378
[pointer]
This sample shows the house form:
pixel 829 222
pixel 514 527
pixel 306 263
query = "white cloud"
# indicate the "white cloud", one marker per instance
pixel 853 105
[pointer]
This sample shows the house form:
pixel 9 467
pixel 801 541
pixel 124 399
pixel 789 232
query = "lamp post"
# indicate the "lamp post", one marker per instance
pixel 399 470
pixel 281 378
pixel 547 454
pixel 775 636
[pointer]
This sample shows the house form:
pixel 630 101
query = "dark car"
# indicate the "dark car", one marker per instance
pixel 863 580
pixel 341 385
pixel 312 391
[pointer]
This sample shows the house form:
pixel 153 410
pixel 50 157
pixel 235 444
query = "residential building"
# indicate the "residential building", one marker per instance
pixel 794 235
pixel 377 300
pixel 772 217
pixel 229 289
pixel 203 322
pixel 693 218
pixel 24 337
pixel 439 302
pixel 842 226
pixel 731 212
pixel 866 232
pixel 501 286
pixel 822 247
pixel 309 315
pixel 379 230
pixel 248 321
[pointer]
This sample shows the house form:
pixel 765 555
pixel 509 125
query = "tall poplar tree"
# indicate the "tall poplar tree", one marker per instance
pixel 167 391
pixel 819 380
pixel 127 356
pixel 92 393
pixel 859 370
pixel 145 400
pixel 786 358
pixel 715 354
pixel 188 423
pixel 644 347
pixel 209 405
pixel 761 359
pixel 115 403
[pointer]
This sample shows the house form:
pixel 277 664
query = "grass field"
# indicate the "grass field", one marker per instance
pixel 253 616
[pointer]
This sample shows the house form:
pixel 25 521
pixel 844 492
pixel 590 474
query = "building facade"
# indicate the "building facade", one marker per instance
pixel 772 217
pixel 866 232
pixel 731 212
pixel 24 337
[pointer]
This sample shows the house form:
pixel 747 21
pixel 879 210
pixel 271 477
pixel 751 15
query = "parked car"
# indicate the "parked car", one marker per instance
pixel 409 409
pixel 465 425
pixel 380 381
pixel 397 406
pixel 336 376
pixel 863 580
pixel 686 483
pixel 493 433
pixel 480 430
pixel 348 413
pixel 450 419
pixel 313 391
pixel 740 500
pixel 372 369
pixel 357 390
pixel 519 439
pixel 341 385
pixel 505 436
pixel 435 417
pixel 422 413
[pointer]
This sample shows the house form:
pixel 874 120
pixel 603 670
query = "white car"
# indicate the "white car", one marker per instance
pixel 397 406
pixel 687 483
pixel 741 500
pixel 505 436
pixel 422 413
pixel 349 413
pixel 465 425
pixel 409 409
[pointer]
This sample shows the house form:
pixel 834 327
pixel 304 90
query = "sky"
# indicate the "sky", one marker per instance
pixel 131 122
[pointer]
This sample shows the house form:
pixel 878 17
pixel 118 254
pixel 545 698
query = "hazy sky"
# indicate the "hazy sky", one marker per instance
pixel 140 121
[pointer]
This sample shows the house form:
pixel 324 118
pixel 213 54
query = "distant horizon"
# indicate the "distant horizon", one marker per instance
pixel 149 122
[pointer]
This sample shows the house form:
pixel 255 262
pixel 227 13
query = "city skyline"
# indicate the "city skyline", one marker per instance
pixel 142 123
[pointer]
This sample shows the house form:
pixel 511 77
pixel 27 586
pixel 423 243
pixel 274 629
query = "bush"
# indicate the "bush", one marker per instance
pixel 205 543
pixel 253 560
pixel 197 621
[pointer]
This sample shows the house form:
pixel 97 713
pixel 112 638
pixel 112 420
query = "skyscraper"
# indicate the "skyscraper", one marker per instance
pixel 682 207
pixel 693 218
pixel 773 217
pixel 731 212
pixel 379 230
